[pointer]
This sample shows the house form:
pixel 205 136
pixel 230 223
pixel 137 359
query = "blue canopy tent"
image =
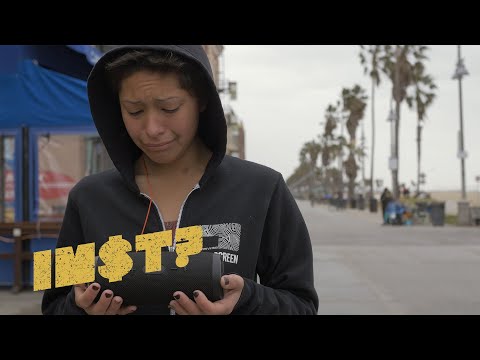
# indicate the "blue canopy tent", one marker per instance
pixel 42 89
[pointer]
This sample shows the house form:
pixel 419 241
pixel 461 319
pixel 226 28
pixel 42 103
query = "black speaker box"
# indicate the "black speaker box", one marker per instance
pixel 203 272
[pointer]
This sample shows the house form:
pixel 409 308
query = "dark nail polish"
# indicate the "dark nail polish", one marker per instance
pixel 177 297
pixel 108 295
pixel 227 281
pixel 95 287
pixel 195 293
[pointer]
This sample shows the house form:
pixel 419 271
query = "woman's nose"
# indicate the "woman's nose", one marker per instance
pixel 155 124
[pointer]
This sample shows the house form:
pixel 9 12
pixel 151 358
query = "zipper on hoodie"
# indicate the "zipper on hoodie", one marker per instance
pixel 172 248
pixel 180 214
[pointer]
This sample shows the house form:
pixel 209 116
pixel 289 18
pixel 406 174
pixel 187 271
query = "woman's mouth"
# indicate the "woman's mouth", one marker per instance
pixel 160 146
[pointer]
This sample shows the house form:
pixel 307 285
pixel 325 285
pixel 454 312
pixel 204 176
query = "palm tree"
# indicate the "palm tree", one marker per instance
pixel 371 66
pixel 308 158
pixel 351 169
pixel 354 104
pixel 397 63
pixel 312 149
pixel 327 140
pixel 421 99
pixel 332 148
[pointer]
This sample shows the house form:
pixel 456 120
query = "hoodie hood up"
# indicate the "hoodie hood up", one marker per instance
pixel 105 109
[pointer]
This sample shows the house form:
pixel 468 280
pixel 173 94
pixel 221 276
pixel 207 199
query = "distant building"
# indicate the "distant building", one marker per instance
pixel 214 53
pixel 235 129
pixel 235 135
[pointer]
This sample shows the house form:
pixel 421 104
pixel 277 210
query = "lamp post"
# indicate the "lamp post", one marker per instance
pixel 393 161
pixel 460 72
pixel 477 179
pixel 419 173
pixel 362 145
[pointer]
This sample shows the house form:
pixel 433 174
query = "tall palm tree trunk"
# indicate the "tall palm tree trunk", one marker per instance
pixel 363 154
pixel 419 154
pixel 311 183
pixel 397 97
pixel 351 186
pixel 396 170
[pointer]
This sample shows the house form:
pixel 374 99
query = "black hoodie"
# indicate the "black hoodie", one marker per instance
pixel 246 206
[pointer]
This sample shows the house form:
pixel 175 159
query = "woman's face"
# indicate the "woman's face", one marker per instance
pixel 160 116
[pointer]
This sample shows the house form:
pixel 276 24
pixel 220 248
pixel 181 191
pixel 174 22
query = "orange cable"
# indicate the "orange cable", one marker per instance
pixel 151 194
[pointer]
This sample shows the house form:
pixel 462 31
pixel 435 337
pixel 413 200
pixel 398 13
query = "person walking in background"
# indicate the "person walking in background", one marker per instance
pixel 385 199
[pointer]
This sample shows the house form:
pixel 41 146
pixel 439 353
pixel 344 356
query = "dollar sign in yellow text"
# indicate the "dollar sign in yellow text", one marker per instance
pixel 117 262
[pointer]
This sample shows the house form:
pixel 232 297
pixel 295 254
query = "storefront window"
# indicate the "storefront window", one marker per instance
pixel 7 179
pixel 62 161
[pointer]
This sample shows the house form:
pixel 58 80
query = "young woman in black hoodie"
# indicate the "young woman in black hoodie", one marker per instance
pixel 159 115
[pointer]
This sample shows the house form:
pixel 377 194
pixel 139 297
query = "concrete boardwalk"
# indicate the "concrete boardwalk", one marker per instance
pixel 362 267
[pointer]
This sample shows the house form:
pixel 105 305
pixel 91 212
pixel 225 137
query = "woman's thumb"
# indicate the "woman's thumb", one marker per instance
pixel 232 281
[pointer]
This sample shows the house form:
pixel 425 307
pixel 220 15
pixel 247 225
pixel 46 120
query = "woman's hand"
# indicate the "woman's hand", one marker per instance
pixel 107 305
pixel 232 285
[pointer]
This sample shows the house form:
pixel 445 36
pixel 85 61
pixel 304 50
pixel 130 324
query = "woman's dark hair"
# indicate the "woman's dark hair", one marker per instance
pixel 191 77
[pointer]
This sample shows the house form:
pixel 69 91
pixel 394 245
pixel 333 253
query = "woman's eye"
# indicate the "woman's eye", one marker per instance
pixel 171 111
pixel 135 113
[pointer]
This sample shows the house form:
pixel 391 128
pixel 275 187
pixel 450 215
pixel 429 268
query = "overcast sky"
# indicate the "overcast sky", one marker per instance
pixel 283 92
